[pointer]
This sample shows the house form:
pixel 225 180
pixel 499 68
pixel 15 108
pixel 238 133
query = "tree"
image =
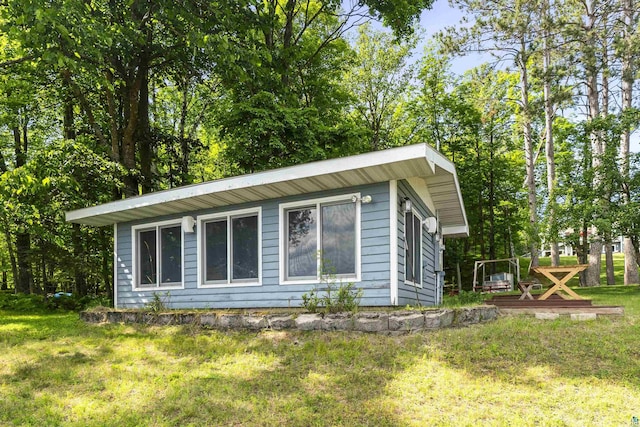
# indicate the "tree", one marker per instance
pixel 105 53
pixel 65 175
pixel 380 81
pixel 627 47
pixel 287 81
pixel 507 29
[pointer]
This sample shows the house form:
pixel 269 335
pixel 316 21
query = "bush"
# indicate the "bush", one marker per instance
pixel 20 302
pixel 344 297
pixel 25 303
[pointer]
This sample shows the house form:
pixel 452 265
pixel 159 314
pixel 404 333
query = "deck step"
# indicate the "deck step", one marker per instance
pixel 555 304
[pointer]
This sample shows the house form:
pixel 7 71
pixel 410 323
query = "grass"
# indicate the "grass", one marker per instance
pixel 56 370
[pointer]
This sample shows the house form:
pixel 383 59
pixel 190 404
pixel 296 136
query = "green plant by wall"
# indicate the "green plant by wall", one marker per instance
pixel 158 303
pixel 337 297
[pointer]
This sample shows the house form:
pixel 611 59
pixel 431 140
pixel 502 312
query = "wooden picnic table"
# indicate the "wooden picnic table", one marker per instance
pixel 560 282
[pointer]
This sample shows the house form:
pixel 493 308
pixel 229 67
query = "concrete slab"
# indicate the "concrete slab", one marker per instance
pixel 547 316
pixel 584 316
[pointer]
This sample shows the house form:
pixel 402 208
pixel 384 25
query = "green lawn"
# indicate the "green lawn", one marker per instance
pixel 56 370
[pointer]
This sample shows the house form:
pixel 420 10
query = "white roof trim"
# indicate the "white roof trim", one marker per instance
pixel 458 231
pixel 379 166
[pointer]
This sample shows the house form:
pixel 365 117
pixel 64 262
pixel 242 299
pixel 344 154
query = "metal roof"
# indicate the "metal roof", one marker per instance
pixel 413 161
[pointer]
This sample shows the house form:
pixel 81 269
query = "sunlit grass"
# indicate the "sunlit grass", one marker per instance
pixel 56 370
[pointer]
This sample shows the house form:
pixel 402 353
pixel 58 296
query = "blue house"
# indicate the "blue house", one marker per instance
pixel 263 240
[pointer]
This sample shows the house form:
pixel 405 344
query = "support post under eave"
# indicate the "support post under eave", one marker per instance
pixel 115 265
pixel 393 241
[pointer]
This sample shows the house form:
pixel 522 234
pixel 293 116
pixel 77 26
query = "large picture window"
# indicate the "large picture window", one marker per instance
pixel 413 248
pixel 321 238
pixel 230 249
pixel 158 256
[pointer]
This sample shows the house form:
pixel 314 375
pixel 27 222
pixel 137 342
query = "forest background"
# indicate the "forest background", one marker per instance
pixel 101 100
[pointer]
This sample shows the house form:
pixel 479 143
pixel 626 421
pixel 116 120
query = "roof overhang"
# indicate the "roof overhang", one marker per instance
pixel 412 161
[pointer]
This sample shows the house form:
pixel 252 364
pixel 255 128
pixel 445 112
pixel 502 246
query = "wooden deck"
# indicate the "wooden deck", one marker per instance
pixel 510 304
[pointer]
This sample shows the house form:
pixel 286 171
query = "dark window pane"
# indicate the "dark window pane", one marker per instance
pixel 216 250
pixel 245 247
pixel 147 257
pixel 302 244
pixel 339 239
pixel 417 253
pixel 171 254
pixel 408 247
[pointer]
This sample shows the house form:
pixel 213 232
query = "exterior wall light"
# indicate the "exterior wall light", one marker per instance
pixel 364 199
pixel 432 224
pixel 188 224
pixel 407 205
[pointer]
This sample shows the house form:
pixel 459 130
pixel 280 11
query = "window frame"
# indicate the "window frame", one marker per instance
pixel 416 214
pixel 156 226
pixel 317 204
pixel 201 248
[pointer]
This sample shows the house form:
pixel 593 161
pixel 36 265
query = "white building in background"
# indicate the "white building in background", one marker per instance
pixel 566 249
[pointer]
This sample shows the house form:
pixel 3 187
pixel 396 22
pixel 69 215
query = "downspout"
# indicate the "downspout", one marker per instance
pixel 438 262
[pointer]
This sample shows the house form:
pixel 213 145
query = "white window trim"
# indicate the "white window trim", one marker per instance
pixel 134 256
pixel 228 215
pixel 409 282
pixel 284 207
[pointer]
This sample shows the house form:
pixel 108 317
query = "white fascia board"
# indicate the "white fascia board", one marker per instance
pixel 438 159
pixel 308 170
pixel 464 213
pixel 456 231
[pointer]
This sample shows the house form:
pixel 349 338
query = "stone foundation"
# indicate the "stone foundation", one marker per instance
pixel 366 321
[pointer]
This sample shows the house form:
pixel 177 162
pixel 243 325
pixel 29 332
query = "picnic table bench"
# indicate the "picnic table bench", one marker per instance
pixel 566 273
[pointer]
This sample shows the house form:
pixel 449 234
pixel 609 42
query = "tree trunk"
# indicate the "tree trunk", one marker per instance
pixel 143 130
pixel 480 204
pixel 608 251
pixel 79 258
pixel 528 154
pixel 492 217
pixel 23 279
pixel 582 252
pixel 184 142
pixel 597 149
pixel 549 149
pixel 630 263
pixel 114 129
pixel 128 155
pixel 595 261
pixel 23 256
pixel 68 129
pixel 12 256
pixel 630 260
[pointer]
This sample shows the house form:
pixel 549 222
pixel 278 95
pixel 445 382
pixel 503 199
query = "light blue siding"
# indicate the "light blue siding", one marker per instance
pixel 407 293
pixel 374 260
